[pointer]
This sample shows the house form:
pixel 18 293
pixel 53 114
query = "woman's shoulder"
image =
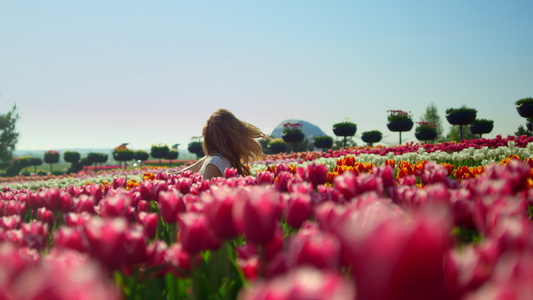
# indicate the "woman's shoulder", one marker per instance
pixel 218 159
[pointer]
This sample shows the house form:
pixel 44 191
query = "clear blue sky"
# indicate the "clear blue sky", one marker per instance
pixel 95 74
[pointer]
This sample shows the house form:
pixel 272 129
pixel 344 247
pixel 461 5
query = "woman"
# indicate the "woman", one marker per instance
pixel 228 143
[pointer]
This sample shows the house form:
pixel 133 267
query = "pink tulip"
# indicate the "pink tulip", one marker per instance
pixel 115 206
pixel 265 178
pixel 157 258
pixel 257 216
pixel 66 237
pixel 13 207
pixel 51 198
pixel 11 222
pixel 63 276
pixel 469 268
pixel 298 208
pixel 149 223
pixel 150 189
pixel 218 206
pixel 351 185
pixel 285 179
pixel 35 200
pixel 120 182
pixel 77 219
pixel 170 204
pixel 84 203
pixel 195 234
pixel 45 216
pixel 184 185
pixel 319 250
pixel 35 235
pixel 106 241
pixel 179 260
pixel 316 174
pixel 386 248
pixel 301 284
pixel 94 190
pixel 136 245
pixel 230 172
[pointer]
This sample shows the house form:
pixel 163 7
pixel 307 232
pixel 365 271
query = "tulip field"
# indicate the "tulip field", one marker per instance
pixel 413 221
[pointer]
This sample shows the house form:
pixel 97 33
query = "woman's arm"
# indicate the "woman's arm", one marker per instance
pixel 193 168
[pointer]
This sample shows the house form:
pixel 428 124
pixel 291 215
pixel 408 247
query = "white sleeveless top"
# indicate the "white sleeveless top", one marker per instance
pixel 218 161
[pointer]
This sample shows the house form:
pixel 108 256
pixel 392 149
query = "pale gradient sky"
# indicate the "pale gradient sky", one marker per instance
pixel 95 74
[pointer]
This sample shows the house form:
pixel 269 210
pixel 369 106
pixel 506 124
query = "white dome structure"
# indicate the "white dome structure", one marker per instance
pixel 310 130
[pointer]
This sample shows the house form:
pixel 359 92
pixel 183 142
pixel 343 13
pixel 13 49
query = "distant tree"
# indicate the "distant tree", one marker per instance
pixel 339 143
pixel 8 136
pixel 522 131
pixel 303 146
pixel 172 154
pixel 264 145
pixel 455 134
pixel 432 116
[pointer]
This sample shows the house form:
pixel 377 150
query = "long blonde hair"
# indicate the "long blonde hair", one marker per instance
pixel 232 138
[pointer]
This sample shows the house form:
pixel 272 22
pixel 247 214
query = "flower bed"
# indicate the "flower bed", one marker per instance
pixel 438 222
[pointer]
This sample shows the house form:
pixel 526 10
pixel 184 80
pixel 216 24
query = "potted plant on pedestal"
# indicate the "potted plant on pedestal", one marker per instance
pixel 195 146
pixel 481 126
pixel 525 107
pixel 461 116
pixel 122 154
pixel 344 129
pixel 371 137
pixel 323 142
pixel 399 121
pixel 140 155
pixel 425 131
pixel 292 133
pixel 51 157
pixel 159 151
